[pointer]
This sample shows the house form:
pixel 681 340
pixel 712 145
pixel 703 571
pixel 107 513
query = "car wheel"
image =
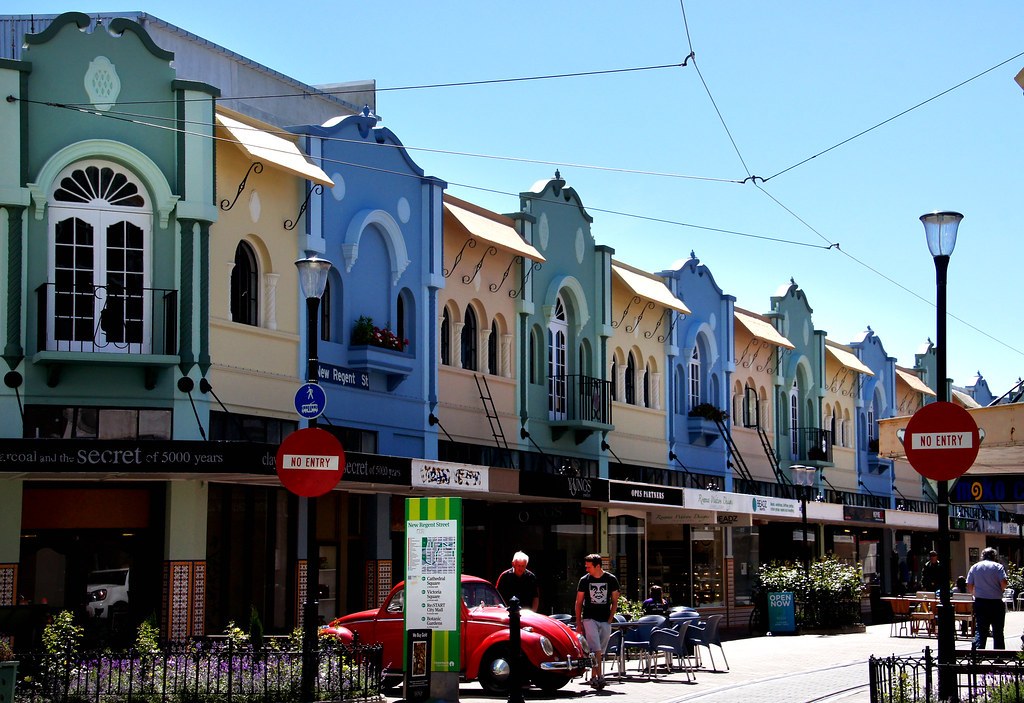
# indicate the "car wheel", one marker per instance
pixel 495 670
pixel 550 681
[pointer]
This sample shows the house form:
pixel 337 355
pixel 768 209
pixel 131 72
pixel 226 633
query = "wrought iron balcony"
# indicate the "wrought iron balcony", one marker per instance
pixel 106 319
pixel 580 403
pixel 813 446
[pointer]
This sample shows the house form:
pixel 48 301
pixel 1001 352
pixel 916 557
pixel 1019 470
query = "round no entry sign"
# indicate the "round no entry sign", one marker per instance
pixel 310 462
pixel 941 441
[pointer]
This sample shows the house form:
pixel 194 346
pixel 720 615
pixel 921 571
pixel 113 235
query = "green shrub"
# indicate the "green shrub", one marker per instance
pixel 828 595
pixel 631 609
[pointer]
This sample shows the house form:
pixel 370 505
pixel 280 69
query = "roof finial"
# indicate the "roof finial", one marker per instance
pixel 558 175
pixel 693 255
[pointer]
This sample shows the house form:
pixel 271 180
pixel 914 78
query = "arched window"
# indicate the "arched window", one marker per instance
pixel 492 349
pixel 446 337
pixel 325 313
pixel 100 229
pixel 533 361
pixel 794 422
pixel 647 386
pixel 400 318
pixel 558 332
pixel 832 428
pixel 694 378
pixel 469 337
pixel 245 286
pixel 630 379
pixel 615 379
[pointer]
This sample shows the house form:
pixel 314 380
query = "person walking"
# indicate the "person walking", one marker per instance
pixel 931 573
pixel 987 581
pixel 597 598
pixel 519 582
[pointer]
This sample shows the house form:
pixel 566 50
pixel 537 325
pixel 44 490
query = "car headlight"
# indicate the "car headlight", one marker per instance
pixel 583 643
pixel 99 594
pixel 545 644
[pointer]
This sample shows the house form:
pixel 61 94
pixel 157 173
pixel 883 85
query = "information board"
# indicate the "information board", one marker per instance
pixel 433 575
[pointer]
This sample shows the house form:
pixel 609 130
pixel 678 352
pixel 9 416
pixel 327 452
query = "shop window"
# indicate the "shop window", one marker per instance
pixel 58 422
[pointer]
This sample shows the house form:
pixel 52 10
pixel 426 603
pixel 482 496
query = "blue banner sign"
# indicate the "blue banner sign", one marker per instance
pixel 987 488
pixel 340 376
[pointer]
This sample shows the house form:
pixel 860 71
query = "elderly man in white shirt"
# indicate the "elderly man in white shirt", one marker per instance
pixel 987 581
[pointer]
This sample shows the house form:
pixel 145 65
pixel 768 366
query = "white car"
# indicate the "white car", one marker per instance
pixel 107 592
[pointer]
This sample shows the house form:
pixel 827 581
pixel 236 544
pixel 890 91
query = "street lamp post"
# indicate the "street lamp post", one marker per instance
pixel 312 283
pixel 940 231
pixel 804 476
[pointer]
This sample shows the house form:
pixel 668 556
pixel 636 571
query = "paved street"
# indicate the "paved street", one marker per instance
pixel 783 669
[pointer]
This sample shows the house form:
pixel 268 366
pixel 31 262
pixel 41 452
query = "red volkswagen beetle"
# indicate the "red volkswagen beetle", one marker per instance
pixel 555 653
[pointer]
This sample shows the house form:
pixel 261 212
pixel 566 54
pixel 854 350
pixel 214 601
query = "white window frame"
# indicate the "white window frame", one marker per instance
pixel 558 334
pixel 101 215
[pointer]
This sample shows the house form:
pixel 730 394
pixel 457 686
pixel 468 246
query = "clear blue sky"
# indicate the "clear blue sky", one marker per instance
pixel 790 79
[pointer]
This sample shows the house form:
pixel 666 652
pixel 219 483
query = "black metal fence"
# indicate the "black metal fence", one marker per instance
pixel 220 672
pixel 982 676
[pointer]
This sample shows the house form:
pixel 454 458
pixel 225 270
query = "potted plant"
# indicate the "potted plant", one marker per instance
pixel 702 423
pixel 365 332
pixel 8 670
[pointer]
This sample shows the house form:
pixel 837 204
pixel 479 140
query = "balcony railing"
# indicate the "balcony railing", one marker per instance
pixel 575 398
pixel 106 319
pixel 813 444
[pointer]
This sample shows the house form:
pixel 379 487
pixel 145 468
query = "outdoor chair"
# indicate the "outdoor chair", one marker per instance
pixel 963 612
pixel 900 625
pixel 707 636
pixel 613 651
pixel 1008 598
pixel 637 639
pixel 670 642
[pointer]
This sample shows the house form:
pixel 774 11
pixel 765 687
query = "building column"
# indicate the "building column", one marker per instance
pixel 184 581
pixel 13 350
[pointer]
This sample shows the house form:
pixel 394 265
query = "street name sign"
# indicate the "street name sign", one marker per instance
pixel 310 462
pixel 941 441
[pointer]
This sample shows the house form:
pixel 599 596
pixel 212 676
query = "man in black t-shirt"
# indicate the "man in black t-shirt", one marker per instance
pixel 597 598
pixel 519 582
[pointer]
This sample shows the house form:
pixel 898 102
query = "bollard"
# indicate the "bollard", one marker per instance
pixel 515 655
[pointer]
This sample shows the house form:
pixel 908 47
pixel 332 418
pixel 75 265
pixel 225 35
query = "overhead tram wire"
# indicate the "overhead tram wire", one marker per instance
pixel 896 116
pixel 97 113
pixel 426 86
pixel 325 160
pixel 285 134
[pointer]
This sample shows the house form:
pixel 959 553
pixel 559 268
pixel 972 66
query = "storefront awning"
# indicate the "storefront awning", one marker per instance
pixel 763 330
pixel 649 289
pixel 915 382
pixel 500 233
pixel 848 360
pixel 260 145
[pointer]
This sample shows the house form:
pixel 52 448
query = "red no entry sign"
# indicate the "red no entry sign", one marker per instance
pixel 310 462
pixel 941 441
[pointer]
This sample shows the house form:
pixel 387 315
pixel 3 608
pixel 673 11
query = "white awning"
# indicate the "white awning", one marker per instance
pixel 260 145
pixel 914 381
pixel 849 360
pixel 652 289
pixel 964 399
pixel 762 329
pixel 499 233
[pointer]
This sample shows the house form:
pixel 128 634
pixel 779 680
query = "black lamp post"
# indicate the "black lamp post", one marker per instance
pixel 940 231
pixel 312 283
pixel 803 476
